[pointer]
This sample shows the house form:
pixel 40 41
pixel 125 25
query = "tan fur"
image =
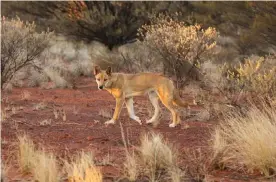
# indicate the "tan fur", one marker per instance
pixel 125 86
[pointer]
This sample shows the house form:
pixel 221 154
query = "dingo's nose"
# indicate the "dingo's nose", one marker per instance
pixel 101 87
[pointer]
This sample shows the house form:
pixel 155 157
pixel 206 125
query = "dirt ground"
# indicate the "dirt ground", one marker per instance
pixel 83 128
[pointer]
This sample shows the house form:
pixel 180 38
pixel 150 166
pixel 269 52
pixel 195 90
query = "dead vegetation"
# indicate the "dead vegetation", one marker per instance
pixel 82 169
pixel 26 156
pixel 59 112
pixel 17 35
pixel 246 141
pixel 105 113
pixel 154 159
pixel 45 167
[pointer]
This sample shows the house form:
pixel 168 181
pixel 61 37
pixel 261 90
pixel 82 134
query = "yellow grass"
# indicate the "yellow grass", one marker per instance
pixel 26 154
pixel 45 167
pixel 42 165
pixel 247 141
pixel 157 155
pixel 82 169
pixel 131 167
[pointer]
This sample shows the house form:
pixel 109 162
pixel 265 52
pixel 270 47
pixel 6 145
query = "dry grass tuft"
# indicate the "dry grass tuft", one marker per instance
pixel 131 164
pixel 105 113
pixel 131 167
pixel 40 106
pixel 76 110
pixel 42 165
pixel 25 95
pixel 26 156
pixel 155 159
pixel 198 163
pixel 4 114
pixel 45 167
pixel 5 168
pixel 82 169
pixel 158 156
pixel 247 141
pixel 45 122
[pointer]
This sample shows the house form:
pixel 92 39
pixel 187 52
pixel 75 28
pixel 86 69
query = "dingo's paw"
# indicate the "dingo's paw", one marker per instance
pixel 172 125
pixel 109 122
pixel 149 121
pixel 136 118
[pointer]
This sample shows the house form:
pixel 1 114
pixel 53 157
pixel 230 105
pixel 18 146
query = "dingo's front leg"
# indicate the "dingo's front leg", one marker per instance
pixel 130 109
pixel 119 104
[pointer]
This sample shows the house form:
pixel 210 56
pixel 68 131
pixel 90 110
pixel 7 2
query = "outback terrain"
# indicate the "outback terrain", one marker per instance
pixel 79 126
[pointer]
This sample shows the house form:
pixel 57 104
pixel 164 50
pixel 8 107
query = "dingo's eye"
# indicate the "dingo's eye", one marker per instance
pixel 98 79
pixel 105 79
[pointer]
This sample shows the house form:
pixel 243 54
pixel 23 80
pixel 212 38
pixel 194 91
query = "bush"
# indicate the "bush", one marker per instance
pixel 254 77
pixel 21 44
pixel 137 57
pixel 181 47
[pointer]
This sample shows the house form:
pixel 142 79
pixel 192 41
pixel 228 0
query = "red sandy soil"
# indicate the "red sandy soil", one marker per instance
pixel 84 128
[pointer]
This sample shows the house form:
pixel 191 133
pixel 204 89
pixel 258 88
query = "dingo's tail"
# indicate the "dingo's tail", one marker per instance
pixel 179 102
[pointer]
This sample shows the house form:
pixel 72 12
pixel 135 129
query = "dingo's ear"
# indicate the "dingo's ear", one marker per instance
pixel 97 70
pixel 108 71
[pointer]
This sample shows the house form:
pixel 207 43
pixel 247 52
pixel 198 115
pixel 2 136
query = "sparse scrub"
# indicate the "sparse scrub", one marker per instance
pixel 37 78
pixel 247 141
pixel 55 76
pixel 82 169
pixel 138 57
pixel 8 87
pixel 16 36
pixel 254 77
pixel 81 67
pixel 181 47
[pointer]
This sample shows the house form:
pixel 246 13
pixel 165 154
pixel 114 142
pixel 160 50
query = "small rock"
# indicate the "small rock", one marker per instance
pixel 89 138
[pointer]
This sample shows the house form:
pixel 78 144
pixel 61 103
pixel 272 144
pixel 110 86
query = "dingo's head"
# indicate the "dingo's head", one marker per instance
pixel 102 76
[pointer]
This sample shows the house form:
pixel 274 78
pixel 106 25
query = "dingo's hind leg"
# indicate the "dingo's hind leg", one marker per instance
pixel 154 100
pixel 130 109
pixel 167 100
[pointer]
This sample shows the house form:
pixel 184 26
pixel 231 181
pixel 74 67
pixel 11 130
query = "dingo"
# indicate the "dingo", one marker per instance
pixel 124 86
